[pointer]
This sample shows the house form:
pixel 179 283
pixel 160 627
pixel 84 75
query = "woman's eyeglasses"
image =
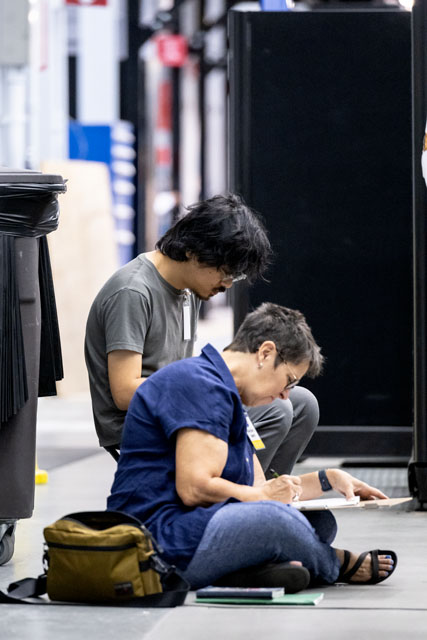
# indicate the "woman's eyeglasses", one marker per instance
pixel 293 383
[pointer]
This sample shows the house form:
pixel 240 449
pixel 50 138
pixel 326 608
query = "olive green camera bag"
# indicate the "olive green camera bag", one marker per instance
pixel 102 557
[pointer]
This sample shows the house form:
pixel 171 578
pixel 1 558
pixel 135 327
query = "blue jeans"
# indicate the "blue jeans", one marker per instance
pixel 245 534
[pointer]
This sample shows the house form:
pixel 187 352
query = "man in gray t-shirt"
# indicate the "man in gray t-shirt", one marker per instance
pixel 136 310
pixel 145 317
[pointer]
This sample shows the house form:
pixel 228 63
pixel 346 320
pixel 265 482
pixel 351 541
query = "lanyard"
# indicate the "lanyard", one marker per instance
pixel 186 319
pixel 253 434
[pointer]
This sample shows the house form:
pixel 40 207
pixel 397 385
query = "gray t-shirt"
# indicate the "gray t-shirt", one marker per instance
pixel 139 311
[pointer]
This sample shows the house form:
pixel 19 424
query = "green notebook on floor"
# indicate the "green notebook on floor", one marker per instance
pixel 289 599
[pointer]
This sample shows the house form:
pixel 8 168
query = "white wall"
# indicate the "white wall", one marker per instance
pixel 34 89
pixel 98 79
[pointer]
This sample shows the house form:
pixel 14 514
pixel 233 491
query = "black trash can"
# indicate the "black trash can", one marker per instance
pixel 30 351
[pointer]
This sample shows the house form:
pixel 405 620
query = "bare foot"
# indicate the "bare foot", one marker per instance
pixel 364 572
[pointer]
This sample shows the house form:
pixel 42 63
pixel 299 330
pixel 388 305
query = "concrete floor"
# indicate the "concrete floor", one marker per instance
pixel 398 607
pixel 80 477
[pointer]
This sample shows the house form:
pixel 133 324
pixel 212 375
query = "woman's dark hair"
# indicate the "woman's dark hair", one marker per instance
pixel 288 330
pixel 222 232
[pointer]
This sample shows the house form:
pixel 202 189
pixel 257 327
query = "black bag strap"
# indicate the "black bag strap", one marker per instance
pixel 174 595
pixel 17 592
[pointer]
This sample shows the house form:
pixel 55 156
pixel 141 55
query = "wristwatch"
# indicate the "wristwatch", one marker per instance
pixel 324 482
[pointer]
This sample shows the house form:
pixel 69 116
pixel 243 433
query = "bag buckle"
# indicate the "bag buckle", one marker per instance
pixel 45 558
pixel 161 567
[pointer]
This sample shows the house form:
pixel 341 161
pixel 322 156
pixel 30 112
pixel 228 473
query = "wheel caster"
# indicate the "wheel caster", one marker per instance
pixel 7 541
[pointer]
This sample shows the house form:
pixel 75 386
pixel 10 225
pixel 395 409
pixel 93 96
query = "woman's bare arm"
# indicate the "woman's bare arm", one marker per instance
pixel 200 460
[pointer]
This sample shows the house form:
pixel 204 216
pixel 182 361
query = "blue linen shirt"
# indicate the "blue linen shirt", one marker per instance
pixel 196 393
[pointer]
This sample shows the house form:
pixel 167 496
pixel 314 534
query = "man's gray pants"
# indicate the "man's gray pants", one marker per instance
pixel 286 428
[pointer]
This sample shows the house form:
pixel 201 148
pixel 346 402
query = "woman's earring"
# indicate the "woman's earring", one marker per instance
pixel 259 365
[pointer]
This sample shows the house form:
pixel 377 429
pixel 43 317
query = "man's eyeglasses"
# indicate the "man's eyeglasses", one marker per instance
pixel 225 279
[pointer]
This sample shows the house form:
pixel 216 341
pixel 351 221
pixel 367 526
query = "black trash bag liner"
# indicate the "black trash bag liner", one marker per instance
pixel 51 368
pixel 30 210
pixel 13 385
pixel 27 210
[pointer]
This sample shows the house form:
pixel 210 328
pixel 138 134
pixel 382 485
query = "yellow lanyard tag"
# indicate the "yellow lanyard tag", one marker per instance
pixel 253 434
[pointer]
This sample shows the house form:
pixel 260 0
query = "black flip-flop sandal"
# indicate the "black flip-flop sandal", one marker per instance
pixel 345 576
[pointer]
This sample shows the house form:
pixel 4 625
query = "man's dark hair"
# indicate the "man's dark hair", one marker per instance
pixel 288 330
pixel 222 232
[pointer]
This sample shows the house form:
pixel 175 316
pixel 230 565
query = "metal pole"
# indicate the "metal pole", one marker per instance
pixel 417 471
pixel 202 108
pixel 132 108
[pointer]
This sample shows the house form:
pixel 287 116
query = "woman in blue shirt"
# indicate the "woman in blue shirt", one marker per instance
pixel 187 467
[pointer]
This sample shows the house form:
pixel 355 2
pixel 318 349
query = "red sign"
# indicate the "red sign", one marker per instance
pixel 88 3
pixel 172 49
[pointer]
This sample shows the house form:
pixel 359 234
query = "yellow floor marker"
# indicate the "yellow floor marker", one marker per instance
pixel 41 475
